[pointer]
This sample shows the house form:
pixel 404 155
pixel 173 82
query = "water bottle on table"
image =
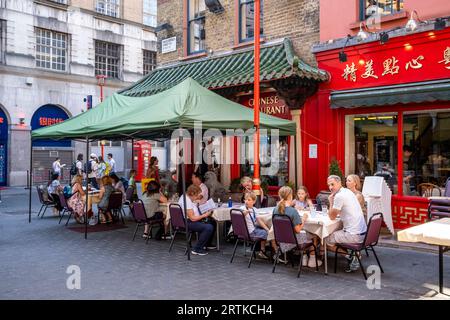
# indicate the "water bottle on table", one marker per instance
pixel 230 202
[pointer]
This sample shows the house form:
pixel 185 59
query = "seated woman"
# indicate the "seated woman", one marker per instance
pixel 353 183
pixel 77 200
pixel 104 194
pixel 54 188
pixel 303 201
pixel 255 225
pixel 118 185
pixel 152 199
pixel 197 222
pixel 285 207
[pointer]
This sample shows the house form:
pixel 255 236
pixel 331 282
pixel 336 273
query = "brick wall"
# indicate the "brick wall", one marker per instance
pixel 298 20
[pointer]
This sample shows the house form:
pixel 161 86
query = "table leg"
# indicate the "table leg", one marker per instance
pixel 441 269
pixel 218 225
pixel 325 258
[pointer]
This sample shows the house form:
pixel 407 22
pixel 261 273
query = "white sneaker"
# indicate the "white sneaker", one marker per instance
pixel 305 260
pixel 312 262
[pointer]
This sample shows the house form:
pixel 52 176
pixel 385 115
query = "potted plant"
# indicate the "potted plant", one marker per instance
pixel 333 169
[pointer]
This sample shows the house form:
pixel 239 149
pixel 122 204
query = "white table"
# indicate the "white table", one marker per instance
pixel 221 215
pixel 435 232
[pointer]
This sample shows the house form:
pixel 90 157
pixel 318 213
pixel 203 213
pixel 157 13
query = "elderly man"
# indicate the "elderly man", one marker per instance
pixel 344 203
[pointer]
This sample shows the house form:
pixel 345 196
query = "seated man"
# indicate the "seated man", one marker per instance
pixel 344 203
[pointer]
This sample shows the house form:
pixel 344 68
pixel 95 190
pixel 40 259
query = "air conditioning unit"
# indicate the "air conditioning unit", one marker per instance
pixel 214 6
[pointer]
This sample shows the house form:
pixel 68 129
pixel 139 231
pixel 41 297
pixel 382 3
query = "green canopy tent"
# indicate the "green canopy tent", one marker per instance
pixel 155 117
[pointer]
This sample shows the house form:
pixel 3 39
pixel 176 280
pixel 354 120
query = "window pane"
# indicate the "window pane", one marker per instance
pixel 382 7
pixel 426 153
pixel 371 142
pixel 107 59
pixel 50 46
pixel 247 14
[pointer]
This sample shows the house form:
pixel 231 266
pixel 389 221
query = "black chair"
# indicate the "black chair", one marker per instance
pixel 240 230
pixel 140 217
pixel 115 205
pixel 439 207
pixel 66 208
pixel 129 198
pixel 284 233
pixel 178 223
pixel 44 203
pixel 370 240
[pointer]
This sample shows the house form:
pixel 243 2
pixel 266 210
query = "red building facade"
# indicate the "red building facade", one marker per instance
pixel 386 112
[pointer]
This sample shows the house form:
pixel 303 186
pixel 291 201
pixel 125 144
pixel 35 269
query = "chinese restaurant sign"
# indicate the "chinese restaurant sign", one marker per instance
pixel 270 103
pixel 48 115
pixel 411 59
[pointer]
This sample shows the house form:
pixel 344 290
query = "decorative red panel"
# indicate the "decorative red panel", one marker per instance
pixel 409 211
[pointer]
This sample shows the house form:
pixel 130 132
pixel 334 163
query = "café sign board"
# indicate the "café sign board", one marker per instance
pixel 169 45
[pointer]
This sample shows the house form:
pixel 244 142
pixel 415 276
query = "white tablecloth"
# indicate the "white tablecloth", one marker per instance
pixel 435 232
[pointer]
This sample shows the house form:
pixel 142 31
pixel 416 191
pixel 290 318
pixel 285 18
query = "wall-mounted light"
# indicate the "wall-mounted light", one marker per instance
pixel 439 24
pixel 21 121
pixel 412 24
pixel 342 54
pixel 214 6
pixel 384 37
pixel 164 26
pixel 362 34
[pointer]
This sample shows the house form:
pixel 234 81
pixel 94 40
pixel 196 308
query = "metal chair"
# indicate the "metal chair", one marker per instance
pixel 115 205
pixel 284 233
pixel 428 190
pixel 66 208
pixel 440 208
pixel 129 198
pixel 140 217
pixel 240 230
pixel 44 203
pixel 178 223
pixel 370 240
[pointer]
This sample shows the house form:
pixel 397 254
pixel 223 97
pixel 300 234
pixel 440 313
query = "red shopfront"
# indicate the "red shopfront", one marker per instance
pixel 386 112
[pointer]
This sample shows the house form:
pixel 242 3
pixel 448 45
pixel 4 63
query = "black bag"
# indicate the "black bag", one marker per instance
pixel 74 169
pixel 88 167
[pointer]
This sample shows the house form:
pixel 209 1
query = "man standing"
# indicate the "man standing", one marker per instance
pixel 112 164
pixel 79 164
pixel 92 170
pixel 57 166
pixel 344 203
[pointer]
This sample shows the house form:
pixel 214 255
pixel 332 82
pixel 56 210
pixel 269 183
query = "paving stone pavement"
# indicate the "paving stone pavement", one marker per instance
pixel 34 258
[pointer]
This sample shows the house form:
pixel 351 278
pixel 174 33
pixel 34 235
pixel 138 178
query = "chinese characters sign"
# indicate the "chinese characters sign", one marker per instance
pixel 390 66
pixel 44 121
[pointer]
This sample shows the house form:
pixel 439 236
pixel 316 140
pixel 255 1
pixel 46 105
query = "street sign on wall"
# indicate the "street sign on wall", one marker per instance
pixel 169 45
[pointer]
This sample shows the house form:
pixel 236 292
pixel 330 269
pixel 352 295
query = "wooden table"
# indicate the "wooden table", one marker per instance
pixel 436 232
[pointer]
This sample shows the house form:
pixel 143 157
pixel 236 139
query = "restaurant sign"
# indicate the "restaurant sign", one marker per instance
pixel 269 103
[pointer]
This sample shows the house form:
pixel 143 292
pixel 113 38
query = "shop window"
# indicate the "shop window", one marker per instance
pixel 279 179
pixel 60 1
pixel 149 61
pixel 51 50
pixel 426 153
pixel 372 147
pixel 196 26
pixel 107 59
pixel 370 8
pixel 107 143
pixel 149 13
pixel 246 20
pixel 108 7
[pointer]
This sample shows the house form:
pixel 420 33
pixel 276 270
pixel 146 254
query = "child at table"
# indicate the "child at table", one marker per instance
pixel 303 200
pixel 256 226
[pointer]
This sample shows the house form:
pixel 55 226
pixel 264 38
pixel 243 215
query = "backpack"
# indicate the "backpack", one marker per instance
pixel 125 183
pixel 67 191
pixel 107 169
pixel 74 169
pixel 88 167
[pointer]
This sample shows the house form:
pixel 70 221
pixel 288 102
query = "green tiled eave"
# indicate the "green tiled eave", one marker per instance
pixel 276 61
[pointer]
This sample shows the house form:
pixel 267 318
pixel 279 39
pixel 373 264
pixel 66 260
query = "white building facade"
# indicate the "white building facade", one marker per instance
pixel 50 55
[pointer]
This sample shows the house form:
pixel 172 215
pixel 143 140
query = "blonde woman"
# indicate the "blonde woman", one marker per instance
pixel 77 200
pixel 353 183
pixel 284 207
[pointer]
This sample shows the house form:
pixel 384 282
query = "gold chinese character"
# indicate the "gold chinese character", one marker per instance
pixel 446 57
pixel 414 63
pixel 390 66
pixel 350 71
pixel 369 70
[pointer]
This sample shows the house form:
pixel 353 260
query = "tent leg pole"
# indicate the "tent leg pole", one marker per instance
pixel 183 187
pixel 31 182
pixel 132 154
pixel 87 191
pixel 295 162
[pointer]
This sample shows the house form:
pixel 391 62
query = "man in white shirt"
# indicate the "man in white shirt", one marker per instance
pixel 79 164
pixel 92 173
pixel 57 166
pixel 112 163
pixel 344 203
pixel 197 180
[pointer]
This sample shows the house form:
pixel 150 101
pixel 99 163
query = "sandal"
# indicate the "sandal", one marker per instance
pixel 145 235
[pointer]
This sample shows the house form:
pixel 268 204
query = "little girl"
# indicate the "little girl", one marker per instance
pixel 303 201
